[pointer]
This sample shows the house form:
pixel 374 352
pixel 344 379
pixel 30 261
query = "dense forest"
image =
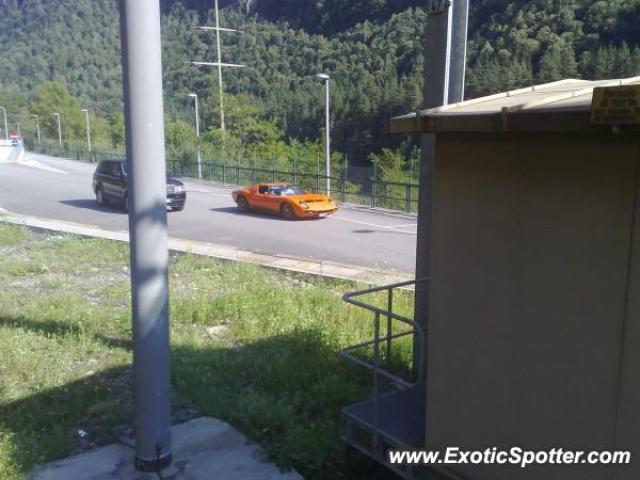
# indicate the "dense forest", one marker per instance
pixel 64 55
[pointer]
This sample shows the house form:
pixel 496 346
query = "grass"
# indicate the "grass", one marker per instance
pixel 255 347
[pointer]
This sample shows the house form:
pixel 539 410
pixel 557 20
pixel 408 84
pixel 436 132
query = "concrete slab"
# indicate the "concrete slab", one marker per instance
pixel 203 449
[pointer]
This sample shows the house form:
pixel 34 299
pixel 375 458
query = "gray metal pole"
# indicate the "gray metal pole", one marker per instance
pixel 459 28
pixel 142 67
pixel 37 127
pixel 57 115
pixel 86 116
pixel 6 131
pixel 219 48
pixel 437 50
pixel 328 140
pixel 198 158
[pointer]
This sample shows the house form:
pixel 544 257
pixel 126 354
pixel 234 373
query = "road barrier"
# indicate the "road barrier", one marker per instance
pixel 370 192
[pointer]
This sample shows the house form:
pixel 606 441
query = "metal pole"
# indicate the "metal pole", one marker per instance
pixel 198 158
pixel 328 140
pixel 142 67
pixel 437 49
pixel 459 28
pixel 57 115
pixel 19 132
pixel 86 116
pixel 6 130
pixel 222 127
pixel 37 127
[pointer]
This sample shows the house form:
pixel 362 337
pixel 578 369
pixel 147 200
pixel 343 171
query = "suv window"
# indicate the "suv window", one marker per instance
pixel 263 189
pixel 116 169
pixel 103 167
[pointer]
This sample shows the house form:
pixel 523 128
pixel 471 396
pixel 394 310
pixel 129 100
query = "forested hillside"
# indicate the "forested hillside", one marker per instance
pixel 371 48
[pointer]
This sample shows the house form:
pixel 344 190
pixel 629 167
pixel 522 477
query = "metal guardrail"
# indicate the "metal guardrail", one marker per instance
pixel 387 339
pixel 389 419
pixel 371 192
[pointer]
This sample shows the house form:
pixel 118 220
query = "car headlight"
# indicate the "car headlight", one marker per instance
pixel 304 205
pixel 178 188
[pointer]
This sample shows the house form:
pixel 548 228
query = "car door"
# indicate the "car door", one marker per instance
pixel 261 198
pixel 109 180
pixel 120 180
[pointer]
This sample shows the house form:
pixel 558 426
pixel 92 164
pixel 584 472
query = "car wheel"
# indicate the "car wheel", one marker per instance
pixel 243 205
pixel 100 197
pixel 287 211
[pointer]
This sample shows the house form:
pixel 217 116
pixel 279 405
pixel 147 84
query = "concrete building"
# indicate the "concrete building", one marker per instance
pixel 533 313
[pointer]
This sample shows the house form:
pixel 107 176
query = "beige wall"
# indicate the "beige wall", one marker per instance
pixel 531 241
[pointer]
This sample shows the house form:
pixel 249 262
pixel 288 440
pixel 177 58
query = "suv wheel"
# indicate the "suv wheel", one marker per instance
pixel 100 197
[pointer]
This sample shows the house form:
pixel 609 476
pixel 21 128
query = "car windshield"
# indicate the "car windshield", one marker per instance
pixel 286 190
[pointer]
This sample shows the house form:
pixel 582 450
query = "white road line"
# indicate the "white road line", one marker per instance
pixel 41 166
pixel 387 227
pixel 404 226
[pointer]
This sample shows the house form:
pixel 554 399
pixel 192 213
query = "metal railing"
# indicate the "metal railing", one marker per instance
pixel 379 365
pixel 370 192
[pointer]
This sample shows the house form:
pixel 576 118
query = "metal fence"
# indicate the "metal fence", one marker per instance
pixel 355 189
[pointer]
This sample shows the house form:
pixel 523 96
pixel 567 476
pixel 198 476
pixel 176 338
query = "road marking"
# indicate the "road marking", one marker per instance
pixel 41 166
pixel 387 227
pixel 405 225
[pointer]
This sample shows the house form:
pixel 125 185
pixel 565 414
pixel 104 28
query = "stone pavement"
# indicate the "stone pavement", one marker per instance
pixel 203 449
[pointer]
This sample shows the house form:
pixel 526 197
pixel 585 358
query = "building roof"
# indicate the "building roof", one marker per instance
pixel 561 106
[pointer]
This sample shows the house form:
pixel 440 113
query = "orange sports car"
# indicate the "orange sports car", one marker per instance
pixel 290 201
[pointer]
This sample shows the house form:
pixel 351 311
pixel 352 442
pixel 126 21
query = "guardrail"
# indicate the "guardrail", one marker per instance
pixel 370 192
pixel 394 416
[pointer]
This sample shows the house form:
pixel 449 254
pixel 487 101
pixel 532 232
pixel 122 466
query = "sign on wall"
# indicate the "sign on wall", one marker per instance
pixel 618 105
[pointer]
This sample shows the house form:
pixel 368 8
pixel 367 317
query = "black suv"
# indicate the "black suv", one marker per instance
pixel 110 185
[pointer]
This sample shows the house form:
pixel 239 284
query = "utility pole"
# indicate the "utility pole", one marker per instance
pixel 219 63
pixel 142 68
pixel 198 159
pixel 37 127
pixel 6 128
pixel 444 66
pixel 86 116
pixel 326 79
pixel 57 115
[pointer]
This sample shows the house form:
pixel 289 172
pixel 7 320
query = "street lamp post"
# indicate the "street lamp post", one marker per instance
pixel 37 127
pixel 323 77
pixel 86 116
pixel 198 159
pixel 6 131
pixel 57 115
pixel 18 128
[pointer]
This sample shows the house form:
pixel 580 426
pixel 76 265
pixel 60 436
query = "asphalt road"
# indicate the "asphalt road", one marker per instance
pixel 59 189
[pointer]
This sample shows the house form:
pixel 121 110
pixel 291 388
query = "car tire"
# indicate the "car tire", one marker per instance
pixel 287 211
pixel 100 199
pixel 243 204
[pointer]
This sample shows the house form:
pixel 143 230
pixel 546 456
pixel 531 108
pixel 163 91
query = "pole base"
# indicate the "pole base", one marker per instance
pixel 153 466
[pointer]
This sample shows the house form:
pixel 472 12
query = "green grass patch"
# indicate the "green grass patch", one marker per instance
pixel 252 346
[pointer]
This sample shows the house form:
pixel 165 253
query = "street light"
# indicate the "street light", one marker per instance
pixel 198 160
pixel 323 77
pixel 37 127
pixel 56 114
pixel 86 116
pixel 6 131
